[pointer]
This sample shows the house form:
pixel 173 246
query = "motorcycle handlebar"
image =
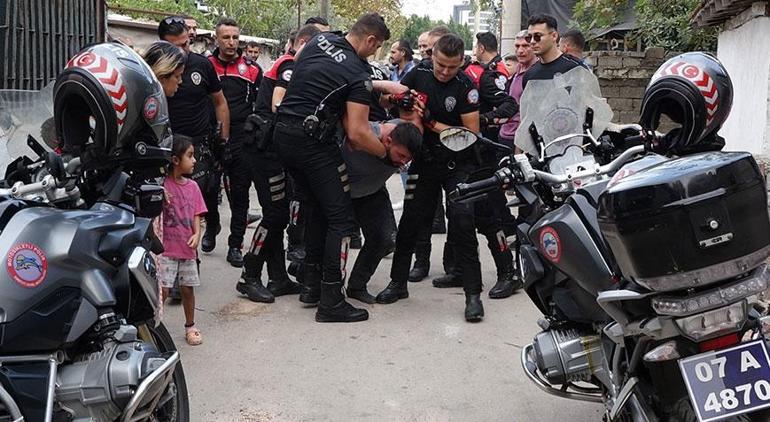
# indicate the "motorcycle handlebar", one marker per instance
pixel 464 190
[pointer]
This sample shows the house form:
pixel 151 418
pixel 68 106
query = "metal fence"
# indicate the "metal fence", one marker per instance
pixel 37 38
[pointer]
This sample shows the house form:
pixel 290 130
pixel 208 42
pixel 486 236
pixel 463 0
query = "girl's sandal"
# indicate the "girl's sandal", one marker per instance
pixel 193 336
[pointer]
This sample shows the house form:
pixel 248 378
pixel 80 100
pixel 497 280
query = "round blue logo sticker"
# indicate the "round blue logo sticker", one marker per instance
pixel 27 265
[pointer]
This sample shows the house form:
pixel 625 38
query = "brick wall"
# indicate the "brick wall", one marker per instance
pixel 623 76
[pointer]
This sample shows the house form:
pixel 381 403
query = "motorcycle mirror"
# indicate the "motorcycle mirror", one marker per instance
pixel 457 138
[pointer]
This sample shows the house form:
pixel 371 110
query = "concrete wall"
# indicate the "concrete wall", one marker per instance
pixel 745 52
pixel 623 77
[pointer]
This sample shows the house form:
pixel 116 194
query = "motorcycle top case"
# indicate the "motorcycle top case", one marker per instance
pixel 687 222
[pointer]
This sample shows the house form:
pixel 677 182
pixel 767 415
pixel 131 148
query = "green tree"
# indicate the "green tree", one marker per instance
pixel 463 31
pixel 416 25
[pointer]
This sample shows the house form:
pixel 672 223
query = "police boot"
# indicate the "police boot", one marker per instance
pixel 295 253
pixel 446 281
pixel 209 240
pixel 507 283
pixel 295 270
pixel 234 257
pixel 421 262
pixel 334 308
pixel 474 309
pixel 311 288
pixel 250 283
pixel 279 283
pixel 393 293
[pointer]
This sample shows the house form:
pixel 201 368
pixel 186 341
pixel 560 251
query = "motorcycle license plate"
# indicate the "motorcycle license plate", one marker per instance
pixel 728 382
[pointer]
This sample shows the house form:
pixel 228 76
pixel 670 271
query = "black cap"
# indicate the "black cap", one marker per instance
pixel 172 25
pixel 317 19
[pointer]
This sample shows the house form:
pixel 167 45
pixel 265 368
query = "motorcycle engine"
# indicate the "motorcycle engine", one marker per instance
pixel 567 355
pixel 98 386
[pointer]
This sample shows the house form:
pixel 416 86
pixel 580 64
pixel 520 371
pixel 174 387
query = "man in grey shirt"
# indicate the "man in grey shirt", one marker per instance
pixel 371 201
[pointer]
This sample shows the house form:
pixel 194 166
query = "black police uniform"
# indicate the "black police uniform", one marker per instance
pixel 190 111
pixel 327 75
pixel 494 220
pixel 434 168
pixel 268 176
pixel 240 79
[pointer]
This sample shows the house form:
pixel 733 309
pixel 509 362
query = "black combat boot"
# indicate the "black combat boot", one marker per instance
pixel 250 283
pixel 279 282
pixel 311 288
pixel 234 257
pixel 334 308
pixel 507 281
pixel 393 293
pixel 209 239
pixel 474 310
pixel 452 279
pixel 421 262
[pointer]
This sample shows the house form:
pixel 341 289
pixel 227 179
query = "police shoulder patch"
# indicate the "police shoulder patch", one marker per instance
pixel 286 75
pixel 473 96
pixel 500 82
pixel 196 78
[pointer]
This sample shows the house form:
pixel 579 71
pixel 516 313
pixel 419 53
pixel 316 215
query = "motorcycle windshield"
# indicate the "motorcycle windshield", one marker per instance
pixel 557 107
pixel 25 113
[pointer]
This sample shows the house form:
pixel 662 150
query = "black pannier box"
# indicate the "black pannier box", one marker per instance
pixel 688 222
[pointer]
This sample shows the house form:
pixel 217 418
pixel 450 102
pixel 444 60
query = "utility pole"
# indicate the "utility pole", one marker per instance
pixel 324 9
pixel 299 14
pixel 510 26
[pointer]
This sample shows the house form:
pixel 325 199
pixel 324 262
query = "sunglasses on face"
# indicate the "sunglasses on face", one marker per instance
pixel 536 37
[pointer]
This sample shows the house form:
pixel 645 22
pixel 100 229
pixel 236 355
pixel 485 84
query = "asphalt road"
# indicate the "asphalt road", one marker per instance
pixel 415 360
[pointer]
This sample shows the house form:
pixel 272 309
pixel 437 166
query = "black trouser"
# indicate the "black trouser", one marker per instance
pixel 320 172
pixel 427 175
pixel 296 229
pixel 209 178
pixel 264 170
pixel 374 214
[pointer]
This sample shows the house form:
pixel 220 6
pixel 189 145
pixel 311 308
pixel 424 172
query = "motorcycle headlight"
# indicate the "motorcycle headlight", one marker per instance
pixel 713 323
pixel 755 284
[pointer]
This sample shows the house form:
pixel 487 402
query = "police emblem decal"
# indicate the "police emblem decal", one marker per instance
pixel 151 109
pixel 500 82
pixel 196 78
pixel 242 69
pixel 286 75
pixel 450 103
pixel 473 96
pixel 550 244
pixel 27 265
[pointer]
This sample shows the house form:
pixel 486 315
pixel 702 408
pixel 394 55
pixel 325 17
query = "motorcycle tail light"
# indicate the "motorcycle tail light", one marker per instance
pixel 713 323
pixel 718 343
pixel 756 284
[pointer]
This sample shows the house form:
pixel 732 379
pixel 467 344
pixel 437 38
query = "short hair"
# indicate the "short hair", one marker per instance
pixel 521 34
pixel 306 33
pixel 226 22
pixel 164 58
pixel 407 134
pixel 575 37
pixel 488 40
pixel 450 45
pixel 371 24
pixel 548 20
pixel 317 20
pixel 404 46
pixel 171 25
pixel 252 44
pixel 293 36
pixel 439 31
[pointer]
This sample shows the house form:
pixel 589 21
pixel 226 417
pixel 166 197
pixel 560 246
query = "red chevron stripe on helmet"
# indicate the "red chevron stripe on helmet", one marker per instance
pixel 700 79
pixel 109 78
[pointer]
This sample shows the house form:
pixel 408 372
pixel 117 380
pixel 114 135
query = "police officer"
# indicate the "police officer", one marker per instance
pixel 494 220
pixel 452 100
pixel 330 84
pixel 190 109
pixel 268 176
pixel 240 79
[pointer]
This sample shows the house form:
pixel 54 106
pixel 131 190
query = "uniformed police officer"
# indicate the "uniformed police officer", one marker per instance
pixel 452 101
pixel 240 79
pixel 330 84
pixel 268 176
pixel 190 111
pixel 494 220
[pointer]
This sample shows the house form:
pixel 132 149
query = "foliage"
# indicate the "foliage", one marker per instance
pixel 416 25
pixel 661 23
pixel 667 24
pixel 156 8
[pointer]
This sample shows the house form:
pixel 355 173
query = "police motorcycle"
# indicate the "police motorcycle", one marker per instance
pixel 646 254
pixel 80 337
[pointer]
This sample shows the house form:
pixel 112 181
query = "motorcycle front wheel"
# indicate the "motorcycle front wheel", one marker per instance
pixel 175 405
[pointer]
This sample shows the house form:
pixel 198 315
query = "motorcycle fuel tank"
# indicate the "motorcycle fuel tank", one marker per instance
pixel 566 239
pixel 50 264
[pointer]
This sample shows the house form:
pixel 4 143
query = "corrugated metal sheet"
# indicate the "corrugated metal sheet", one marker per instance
pixel 37 38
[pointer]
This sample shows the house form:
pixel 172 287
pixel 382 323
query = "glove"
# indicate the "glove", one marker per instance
pixel 483 121
pixel 404 100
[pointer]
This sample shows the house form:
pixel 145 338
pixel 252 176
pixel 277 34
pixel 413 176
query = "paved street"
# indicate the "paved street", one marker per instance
pixel 416 360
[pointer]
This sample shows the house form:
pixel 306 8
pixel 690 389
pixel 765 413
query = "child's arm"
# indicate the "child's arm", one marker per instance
pixel 196 236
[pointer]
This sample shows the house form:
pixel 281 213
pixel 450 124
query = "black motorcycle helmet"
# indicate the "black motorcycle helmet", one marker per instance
pixel 109 108
pixel 695 91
